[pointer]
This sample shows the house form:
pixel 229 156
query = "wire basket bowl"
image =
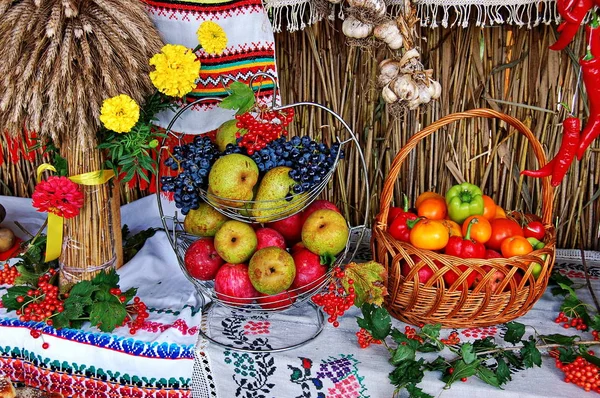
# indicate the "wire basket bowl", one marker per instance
pixel 297 299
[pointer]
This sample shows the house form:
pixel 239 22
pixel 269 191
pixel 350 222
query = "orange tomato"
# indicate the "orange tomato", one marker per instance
pixel 432 208
pixel 453 227
pixel 428 195
pixel 489 207
pixel 429 234
pixel 481 230
pixel 500 213
pixel 515 246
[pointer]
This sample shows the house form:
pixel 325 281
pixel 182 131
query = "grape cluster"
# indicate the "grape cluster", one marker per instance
pixel 365 339
pixel 309 160
pixel 42 303
pixel 139 309
pixel 193 161
pixel 262 128
pixel 581 373
pixel 336 301
pixel 575 322
pixel 8 274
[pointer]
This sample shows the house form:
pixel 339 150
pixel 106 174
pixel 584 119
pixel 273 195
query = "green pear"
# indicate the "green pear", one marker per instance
pixel 227 134
pixel 232 177
pixel 204 221
pixel 275 198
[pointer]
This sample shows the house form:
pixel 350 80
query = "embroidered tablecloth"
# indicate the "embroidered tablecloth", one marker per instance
pixel 167 359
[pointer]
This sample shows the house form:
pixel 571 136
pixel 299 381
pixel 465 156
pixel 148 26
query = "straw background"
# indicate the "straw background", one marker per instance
pixel 504 68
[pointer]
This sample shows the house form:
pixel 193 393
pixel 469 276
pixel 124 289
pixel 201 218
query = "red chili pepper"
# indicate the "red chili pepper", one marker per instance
pixel 592 34
pixel 401 226
pixel 590 70
pixel 568 148
pixel 543 172
pixel 573 14
pixel 465 247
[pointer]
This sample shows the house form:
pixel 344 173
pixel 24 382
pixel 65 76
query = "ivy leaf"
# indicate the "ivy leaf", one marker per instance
pixel 107 316
pixel 467 353
pixel 129 294
pixel 590 358
pixel 83 289
pixel 437 364
pixel 559 339
pixel 573 306
pixel 530 353
pixel 241 97
pixel 513 359
pixel 416 392
pixel 428 347
pixel 461 369
pixel 514 333
pixel 26 276
pixel 401 338
pixel 502 372
pixel 595 324
pixel 431 331
pixel 132 244
pixel 368 282
pixel 567 354
pixel 407 372
pixel 110 278
pixel 484 344
pixel 376 321
pixel 487 376
pixel 402 353
pixel 9 300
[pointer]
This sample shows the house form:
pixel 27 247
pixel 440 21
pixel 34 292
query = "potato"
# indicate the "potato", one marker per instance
pixel 7 239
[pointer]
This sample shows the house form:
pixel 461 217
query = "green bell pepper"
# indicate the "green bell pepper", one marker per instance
pixel 464 200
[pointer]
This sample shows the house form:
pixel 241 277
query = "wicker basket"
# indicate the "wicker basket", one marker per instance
pixel 456 305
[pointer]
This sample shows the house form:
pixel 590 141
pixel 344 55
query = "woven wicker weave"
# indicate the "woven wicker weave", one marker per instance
pixel 456 305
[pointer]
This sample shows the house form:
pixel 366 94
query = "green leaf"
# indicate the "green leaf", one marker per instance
pixel 83 289
pixel 402 353
pixel 559 339
pixel 9 300
pixel 416 392
pixel 376 321
pixel 461 369
pixel 328 259
pixel 568 289
pixel 103 295
pixel 487 376
pixel 502 372
pixel 407 372
pixel 567 354
pixel 428 347
pixel 401 338
pixel 431 331
pixel 595 322
pixel 241 98
pixel 107 316
pixel 368 280
pixel 467 353
pixel 513 359
pixel 514 333
pixel 439 363
pixel 590 358
pixel 129 294
pixel 27 277
pixel 572 306
pixel 484 344
pixel 110 278
pixel 556 278
pixel 530 354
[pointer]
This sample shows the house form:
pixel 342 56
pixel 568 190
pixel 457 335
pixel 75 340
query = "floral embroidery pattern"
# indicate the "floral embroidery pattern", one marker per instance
pixel 480 332
pixel 259 327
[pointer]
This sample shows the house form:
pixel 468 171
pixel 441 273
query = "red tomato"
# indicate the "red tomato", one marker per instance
pixel 489 207
pixel 534 229
pixel 515 246
pixel 502 228
pixel 428 195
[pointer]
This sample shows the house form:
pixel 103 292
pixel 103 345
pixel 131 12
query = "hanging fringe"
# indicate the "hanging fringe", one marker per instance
pixel 298 14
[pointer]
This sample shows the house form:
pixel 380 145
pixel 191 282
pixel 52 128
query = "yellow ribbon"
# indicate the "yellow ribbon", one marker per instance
pixel 54 232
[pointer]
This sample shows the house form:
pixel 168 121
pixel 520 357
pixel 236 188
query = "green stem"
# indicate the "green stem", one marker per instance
pixel 542 346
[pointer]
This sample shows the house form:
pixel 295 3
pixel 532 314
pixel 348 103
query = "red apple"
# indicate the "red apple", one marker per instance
pixel 425 272
pixel 297 247
pixel 269 237
pixel 318 205
pixel 309 270
pixel 233 286
pixel 202 260
pixel 290 227
pixel 278 301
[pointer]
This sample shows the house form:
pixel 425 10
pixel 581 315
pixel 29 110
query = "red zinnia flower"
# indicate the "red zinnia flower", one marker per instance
pixel 58 195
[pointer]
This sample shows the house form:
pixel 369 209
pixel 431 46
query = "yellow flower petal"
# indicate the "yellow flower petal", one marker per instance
pixel 119 113
pixel 176 70
pixel 212 37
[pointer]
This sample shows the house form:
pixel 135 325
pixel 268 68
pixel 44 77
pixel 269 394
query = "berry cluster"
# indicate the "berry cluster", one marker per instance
pixel 262 128
pixel 365 339
pixel 335 301
pixel 8 274
pixel 575 322
pixel 139 309
pixel 452 339
pixel 36 334
pixel 581 373
pixel 411 333
pixel 309 160
pixel 42 303
pixel 193 161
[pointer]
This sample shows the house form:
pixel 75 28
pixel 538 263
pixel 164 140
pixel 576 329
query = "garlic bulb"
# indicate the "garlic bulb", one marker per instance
pixel 335 1
pixel 408 55
pixel 424 95
pixel 388 95
pixel 389 33
pixel 388 69
pixel 435 89
pixel 378 7
pixel 356 29
pixel 405 88
pixel 414 104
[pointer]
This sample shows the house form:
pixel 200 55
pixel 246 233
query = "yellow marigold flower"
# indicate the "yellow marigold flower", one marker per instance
pixel 176 70
pixel 119 113
pixel 212 37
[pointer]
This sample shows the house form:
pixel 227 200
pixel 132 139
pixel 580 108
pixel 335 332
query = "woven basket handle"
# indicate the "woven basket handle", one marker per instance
pixel 388 187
